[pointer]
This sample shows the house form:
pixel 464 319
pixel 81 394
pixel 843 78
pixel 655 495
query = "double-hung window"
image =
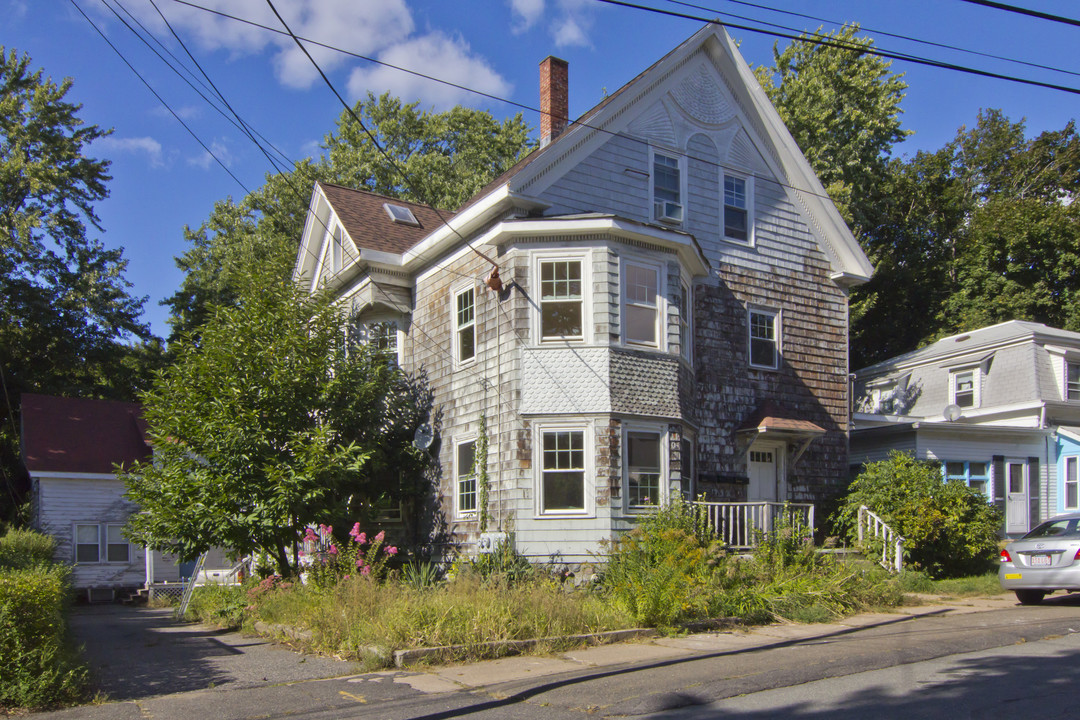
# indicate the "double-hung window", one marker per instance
pixel 562 300
pixel 1072 483
pixel 465 493
pixel 964 388
pixel 685 305
pixel 643 468
pixel 975 475
pixel 736 209
pixel 764 338
pixel 562 471
pixel 90 539
pixel 687 476
pixel 641 304
pixel 667 178
pixel 87 544
pixel 1072 380
pixel 465 325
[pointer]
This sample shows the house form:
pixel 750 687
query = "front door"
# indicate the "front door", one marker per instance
pixel 1016 497
pixel 764 468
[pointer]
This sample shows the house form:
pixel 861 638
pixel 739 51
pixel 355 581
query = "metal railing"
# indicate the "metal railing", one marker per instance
pixel 873 529
pixel 740 524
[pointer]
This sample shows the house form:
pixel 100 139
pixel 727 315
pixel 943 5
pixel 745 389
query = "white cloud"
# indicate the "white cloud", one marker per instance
pixel 148 145
pixel 186 112
pixel 525 14
pixel 436 55
pixel 358 26
pixel 574 23
pixel 205 159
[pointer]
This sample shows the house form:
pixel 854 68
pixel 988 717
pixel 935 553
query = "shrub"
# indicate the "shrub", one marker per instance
pixel 37 667
pixel 26 549
pixel 949 529
pixel 221 605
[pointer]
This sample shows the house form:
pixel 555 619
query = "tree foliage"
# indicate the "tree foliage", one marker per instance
pixel 949 529
pixel 982 231
pixel 270 422
pixel 66 308
pixel 446 158
pixel 842 106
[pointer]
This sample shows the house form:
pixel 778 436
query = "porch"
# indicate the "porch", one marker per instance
pixel 741 524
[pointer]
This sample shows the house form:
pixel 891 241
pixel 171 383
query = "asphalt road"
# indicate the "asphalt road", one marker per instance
pixel 933 664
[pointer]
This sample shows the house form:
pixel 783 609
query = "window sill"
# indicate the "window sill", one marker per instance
pixel 564 515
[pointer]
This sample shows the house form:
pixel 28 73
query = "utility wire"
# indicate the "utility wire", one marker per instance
pixel 159 98
pixel 846 46
pixel 1025 11
pixel 874 31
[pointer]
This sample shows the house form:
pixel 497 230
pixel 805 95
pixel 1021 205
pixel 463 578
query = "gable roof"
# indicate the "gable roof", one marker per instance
pixel 519 185
pixel 80 436
pixel 836 241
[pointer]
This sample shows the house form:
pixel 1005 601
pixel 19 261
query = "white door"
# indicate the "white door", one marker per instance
pixel 764 469
pixel 1016 497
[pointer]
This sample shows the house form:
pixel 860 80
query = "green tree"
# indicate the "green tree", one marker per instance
pixel 842 106
pixel 271 422
pixel 446 157
pixel 982 231
pixel 66 312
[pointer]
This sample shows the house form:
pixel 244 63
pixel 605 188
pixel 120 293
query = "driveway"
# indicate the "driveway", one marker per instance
pixel 136 653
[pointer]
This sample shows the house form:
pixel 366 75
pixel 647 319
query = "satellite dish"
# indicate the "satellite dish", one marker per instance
pixel 952 412
pixel 423 437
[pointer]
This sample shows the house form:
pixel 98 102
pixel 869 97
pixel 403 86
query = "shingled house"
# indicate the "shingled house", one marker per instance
pixel 653 302
pixel 997 407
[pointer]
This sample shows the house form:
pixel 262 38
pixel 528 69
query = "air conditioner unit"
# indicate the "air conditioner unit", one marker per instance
pixel 668 212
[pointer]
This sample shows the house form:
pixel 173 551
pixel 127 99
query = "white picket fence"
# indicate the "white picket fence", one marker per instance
pixel 740 524
pixel 892 550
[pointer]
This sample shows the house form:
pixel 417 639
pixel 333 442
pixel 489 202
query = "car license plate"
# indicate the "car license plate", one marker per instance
pixel 1040 560
pixel 1014 576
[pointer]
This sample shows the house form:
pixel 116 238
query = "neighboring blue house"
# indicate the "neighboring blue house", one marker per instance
pixel 1068 466
pixel 998 407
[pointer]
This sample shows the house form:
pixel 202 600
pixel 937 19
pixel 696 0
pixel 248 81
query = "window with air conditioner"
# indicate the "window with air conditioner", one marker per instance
pixel 668 173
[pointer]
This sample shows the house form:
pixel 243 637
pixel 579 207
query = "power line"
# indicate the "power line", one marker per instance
pixel 1025 11
pixel 875 31
pixel 846 46
pixel 159 98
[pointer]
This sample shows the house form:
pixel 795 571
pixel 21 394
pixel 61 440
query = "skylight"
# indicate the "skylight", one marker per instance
pixel 401 214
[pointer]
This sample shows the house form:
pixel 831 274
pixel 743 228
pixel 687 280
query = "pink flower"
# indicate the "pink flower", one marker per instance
pixel 380 536
pixel 365 571
pixel 359 562
pixel 333 549
pixel 355 532
pixel 391 550
pixel 361 538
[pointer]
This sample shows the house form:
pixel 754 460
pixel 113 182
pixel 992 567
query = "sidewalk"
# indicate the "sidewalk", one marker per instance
pixel 151 666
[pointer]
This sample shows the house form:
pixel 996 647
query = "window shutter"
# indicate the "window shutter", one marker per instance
pixel 1034 485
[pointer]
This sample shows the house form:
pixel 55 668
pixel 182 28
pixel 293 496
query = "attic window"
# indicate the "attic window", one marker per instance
pixel 401 214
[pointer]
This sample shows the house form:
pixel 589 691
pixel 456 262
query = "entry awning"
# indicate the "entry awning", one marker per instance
pixel 769 422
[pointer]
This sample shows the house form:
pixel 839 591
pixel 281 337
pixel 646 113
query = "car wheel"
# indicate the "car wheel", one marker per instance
pixel 1030 597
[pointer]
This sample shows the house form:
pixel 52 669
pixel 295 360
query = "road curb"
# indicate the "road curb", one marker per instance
pixel 514 647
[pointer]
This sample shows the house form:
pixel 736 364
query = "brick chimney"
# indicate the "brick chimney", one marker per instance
pixel 554 98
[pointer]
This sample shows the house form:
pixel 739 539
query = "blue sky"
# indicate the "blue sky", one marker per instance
pixel 162 178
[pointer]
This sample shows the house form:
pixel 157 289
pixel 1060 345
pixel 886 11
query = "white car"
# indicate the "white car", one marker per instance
pixel 1044 560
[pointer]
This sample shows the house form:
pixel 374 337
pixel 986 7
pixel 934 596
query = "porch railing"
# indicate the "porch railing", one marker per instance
pixel 872 529
pixel 740 524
